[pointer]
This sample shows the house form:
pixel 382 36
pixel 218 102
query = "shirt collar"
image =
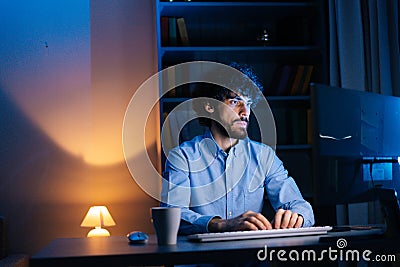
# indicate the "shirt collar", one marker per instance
pixel 236 150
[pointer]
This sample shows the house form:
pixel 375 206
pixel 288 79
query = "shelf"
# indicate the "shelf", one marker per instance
pixel 288 98
pixel 175 99
pixel 239 24
pixel 237 48
pixel 230 31
pixel 227 54
pixel 213 4
pixel 294 147
pixel 236 8
pixel 300 102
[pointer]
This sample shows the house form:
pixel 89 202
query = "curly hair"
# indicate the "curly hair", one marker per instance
pixel 248 85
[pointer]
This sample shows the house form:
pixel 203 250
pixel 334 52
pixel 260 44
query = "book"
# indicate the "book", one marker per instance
pixel 173 36
pixel 296 81
pixel 285 80
pixel 164 30
pixel 305 90
pixel 183 35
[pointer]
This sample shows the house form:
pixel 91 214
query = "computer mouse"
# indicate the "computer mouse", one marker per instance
pixel 137 237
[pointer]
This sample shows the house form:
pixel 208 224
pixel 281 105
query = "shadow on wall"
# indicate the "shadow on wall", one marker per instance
pixel 45 191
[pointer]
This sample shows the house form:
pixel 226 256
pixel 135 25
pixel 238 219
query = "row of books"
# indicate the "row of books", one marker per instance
pixel 290 80
pixel 173 31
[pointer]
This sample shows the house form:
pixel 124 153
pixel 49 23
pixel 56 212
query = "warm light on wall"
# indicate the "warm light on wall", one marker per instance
pixel 98 217
pixel 64 84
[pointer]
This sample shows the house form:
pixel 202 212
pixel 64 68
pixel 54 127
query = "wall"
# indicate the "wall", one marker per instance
pixel 67 72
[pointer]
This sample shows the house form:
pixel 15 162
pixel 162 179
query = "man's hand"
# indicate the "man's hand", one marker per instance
pixel 247 221
pixel 287 219
pixel 256 221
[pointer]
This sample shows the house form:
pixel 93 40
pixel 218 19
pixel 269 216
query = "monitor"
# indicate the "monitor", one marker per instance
pixel 356 123
pixel 356 143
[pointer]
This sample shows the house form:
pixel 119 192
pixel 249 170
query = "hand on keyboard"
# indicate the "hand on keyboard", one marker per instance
pixel 287 219
pixel 256 221
pixel 247 221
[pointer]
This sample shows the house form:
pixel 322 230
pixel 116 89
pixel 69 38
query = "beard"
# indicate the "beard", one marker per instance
pixel 232 131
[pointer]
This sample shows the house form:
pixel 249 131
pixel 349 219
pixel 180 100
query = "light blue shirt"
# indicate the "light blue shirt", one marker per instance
pixel 206 182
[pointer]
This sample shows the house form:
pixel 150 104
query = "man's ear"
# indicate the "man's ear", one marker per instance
pixel 209 108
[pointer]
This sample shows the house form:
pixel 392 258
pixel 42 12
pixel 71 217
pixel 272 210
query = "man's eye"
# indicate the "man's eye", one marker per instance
pixel 234 102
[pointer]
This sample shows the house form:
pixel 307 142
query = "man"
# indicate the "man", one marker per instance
pixel 222 178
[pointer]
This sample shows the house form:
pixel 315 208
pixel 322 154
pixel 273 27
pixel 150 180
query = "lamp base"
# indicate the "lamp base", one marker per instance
pixel 98 231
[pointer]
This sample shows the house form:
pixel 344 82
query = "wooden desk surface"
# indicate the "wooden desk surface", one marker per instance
pixel 116 251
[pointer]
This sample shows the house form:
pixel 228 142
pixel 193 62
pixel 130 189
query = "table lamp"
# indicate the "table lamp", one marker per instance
pixel 98 217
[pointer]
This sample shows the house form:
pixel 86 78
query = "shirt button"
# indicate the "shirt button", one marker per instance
pixel 230 214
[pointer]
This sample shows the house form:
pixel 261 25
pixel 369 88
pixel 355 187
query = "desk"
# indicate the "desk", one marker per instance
pixel 116 251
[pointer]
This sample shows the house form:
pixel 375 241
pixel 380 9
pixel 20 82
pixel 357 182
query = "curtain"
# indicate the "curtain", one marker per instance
pixel 364 45
pixel 364 55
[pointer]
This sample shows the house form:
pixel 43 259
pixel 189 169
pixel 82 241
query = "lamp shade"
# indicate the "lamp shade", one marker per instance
pixel 98 216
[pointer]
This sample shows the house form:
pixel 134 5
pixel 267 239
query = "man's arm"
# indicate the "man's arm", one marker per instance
pixel 176 192
pixel 286 199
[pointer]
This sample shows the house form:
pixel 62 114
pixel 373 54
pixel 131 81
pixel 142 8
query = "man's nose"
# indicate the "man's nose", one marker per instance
pixel 244 110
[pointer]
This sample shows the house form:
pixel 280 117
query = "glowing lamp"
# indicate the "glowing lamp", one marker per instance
pixel 98 217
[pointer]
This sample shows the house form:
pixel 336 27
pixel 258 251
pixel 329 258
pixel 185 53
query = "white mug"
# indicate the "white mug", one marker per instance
pixel 166 222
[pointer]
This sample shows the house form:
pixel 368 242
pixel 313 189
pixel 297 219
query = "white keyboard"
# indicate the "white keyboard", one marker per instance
pixel 240 235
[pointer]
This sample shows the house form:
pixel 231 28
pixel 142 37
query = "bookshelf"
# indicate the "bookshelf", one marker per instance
pixel 231 31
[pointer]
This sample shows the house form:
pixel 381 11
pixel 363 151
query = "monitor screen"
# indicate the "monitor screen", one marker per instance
pixel 356 123
pixel 352 131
